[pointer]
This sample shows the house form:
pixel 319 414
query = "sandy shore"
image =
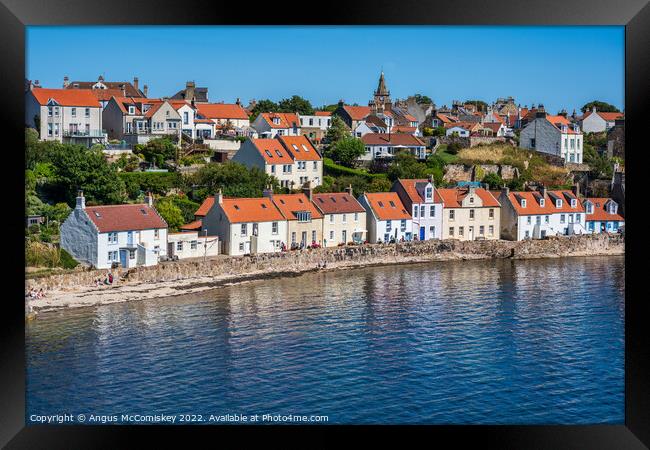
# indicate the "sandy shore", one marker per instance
pixel 124 292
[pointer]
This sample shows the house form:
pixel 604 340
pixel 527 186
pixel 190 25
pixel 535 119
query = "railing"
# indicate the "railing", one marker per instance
pixel 84 133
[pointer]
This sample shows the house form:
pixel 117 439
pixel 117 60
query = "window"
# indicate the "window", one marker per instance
pixel 461 231
pixel 546 219
pixel 156 234
pixel 538 220
pixel 303 216
pixel 451 231
pixel 561 218
pixel 112 238
pixel 523 203
pixel 274 228
pixel 87 112
pixel 179 246
pixel 315 165
pixel 527 235
pixel 429 193
pixel 186 117
pixel 573 203
pixel 345 220
pixel 452 213
pixel 471 199
pixel 293 237
pixel 528 220
pixel 255 229
pixel 112 256
pixel 56 129
pixel 403 225
pixel 491 213
pixel 471 214
pixel 432 211
pixel 313 236
pixel 558 203
pixel 56 111
pixel 331 218
pixel 388 225
pixel 491 230
pixel 131 253
pixel 49 111
pixel 73 111
pixel 481 230
pixel 272 168
pixel 532 143
pixel 344 236
pixel 356 217
pixel 422 211
pixel 244 229
pixel 49 129
pixel 415 211
pixel 241 246
pixel 193 245
pixel 332 235
pixel 578 218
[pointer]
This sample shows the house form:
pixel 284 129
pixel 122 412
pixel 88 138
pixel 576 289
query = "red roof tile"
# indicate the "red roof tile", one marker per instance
pixel 404 139
pixel 337 203
pixel 387 205
pixel 322 113
pixel 608 116
pixel 125 217
pixel 192 226
pixel 300 148
pixel 287 120
pixel 533 202
pixel 289 204
pixel 600 212
pixel 453 197
pixel 272 151
pixel 66 97
pixel 357 112
pixel 205 207
pixel 410 187
pixel 242 210
pixel 221 111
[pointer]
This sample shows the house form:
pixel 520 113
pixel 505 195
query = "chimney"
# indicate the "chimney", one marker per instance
pixel 593 109
pixel 576 189
pixel 66 81
pixel 148 199
pixel 471 190
pixel 238 102
pixel 218 197
pixel 542 191
pixel 307 190
pixel 81 201
pixel 341 103
pixel 349 190
pixel 145 90
pixel 135 82
pixel 505 190
pixel 430 178
pixel 268 192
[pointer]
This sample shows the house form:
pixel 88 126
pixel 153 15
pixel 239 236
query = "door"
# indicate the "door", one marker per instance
pixel 471 233
pixel 344 236
pixel 247 247
pixel 170 249
pixel 304 238
pixel 123 258
pixel 422 231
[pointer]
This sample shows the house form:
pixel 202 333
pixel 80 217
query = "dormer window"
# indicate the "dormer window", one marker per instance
pixel 574 202
pixel 590 208
pixel 429 193
pixel 131 109
pixel 276 120
pixel 542 202
pixel 304 147
pixel 523 202
pixel 558 203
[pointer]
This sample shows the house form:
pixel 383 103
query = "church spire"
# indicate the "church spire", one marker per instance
pixel 381 87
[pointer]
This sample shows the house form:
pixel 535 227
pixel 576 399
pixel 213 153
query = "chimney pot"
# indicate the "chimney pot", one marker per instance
pixel 81 200
pixel 219 197
pixel 349 189
pixel 135 82
pixel 307 190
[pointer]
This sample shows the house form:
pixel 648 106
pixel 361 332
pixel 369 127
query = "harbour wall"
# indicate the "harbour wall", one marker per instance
pixel 277 264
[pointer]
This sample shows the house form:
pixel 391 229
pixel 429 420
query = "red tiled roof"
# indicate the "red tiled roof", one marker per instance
pixel 469 126
pixel 106 94
pixel 241 210
pixel 494 126
pixel 205 207
pixel 303 150
pixel 533 207
pixel 130 90
pixel 392 139
pixel 289 204
pixel 322 113
pixel 272 151
pixel 192 226
pixel 221 111
pixel 600 212
pixel 357 112
pixel 125 217
pixel 608 116
pixel 287 120
pixel 409 185
pixel 444 118
pixel 403 129
pixel 337 203
pixel 558 121
pixel 387 205
pixel 453 197
pixel 66 97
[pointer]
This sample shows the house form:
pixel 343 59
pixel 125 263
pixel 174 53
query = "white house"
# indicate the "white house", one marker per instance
pixel 595 122
pixel 131 235
pixel 602 215
pixel 315 126
pixel 420 197
pixel 138 120
pixel 191 244
pixel 554 135
pixel 224 116
pixel 537 214
pixel 65 115
pixel 246 225
pixel 293 160
pixel 271 124
pixel 386 217
pixel 386 145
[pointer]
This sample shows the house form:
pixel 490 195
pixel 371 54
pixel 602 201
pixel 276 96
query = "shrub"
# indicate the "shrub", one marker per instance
pixel 67 261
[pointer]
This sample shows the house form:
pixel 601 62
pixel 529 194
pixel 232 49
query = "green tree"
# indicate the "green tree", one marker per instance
pixel 234 179
pixel 296 104
pixel 422 99
pixel 337 131
pixel 171 213
pixel 347 150
pixel 453 148
pixel 33 148
pixel 405 165
pixel 494 180
pixel 157 150
pixel 263 106
pixel 600 106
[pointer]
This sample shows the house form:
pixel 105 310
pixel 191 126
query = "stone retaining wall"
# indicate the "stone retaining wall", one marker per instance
pixel 303 260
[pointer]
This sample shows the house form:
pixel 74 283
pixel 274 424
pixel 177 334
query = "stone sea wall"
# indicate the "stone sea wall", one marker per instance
pixel 242 267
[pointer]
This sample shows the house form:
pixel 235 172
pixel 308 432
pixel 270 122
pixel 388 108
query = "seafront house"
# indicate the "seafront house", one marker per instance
pixel 344 219
pixel 386 217
pixel 602 215
pixel 245 225
pixel 537 214
pixel 420 197
pixel 269 125
pixel 553 135
pixel 137 120
pixel 65 115
pixel 304 220
pixel 191 244
pixel 596 122
pixel 131 235
pixel 293 160
pixel 315 126
pixel 386 145
pixel 469 213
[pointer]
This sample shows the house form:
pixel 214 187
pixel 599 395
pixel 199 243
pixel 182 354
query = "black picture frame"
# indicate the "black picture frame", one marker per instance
pixel 634 15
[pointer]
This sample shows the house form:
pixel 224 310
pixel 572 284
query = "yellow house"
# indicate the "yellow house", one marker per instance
pixel 344 219
pixel 469 213
pixel 304 221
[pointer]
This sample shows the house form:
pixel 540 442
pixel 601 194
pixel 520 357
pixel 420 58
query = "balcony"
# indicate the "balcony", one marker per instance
pixel 84 133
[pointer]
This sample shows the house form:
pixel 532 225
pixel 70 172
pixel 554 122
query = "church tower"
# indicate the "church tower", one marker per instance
pixel 381 101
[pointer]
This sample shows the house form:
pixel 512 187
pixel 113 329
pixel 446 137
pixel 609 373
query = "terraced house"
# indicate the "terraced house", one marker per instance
pixel 421 198
pixel 470 213
pixel 304 220
pixel 537 214
pixel 602 215
pixel 386 217
pixel 245 225
pixel 344 219
pixel 269 125
pixel 293 160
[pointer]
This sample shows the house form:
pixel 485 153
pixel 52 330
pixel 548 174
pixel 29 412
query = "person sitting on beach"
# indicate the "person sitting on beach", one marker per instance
pixel 110 277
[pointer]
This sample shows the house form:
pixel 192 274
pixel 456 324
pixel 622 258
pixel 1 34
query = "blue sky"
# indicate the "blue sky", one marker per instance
pixel 561 67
